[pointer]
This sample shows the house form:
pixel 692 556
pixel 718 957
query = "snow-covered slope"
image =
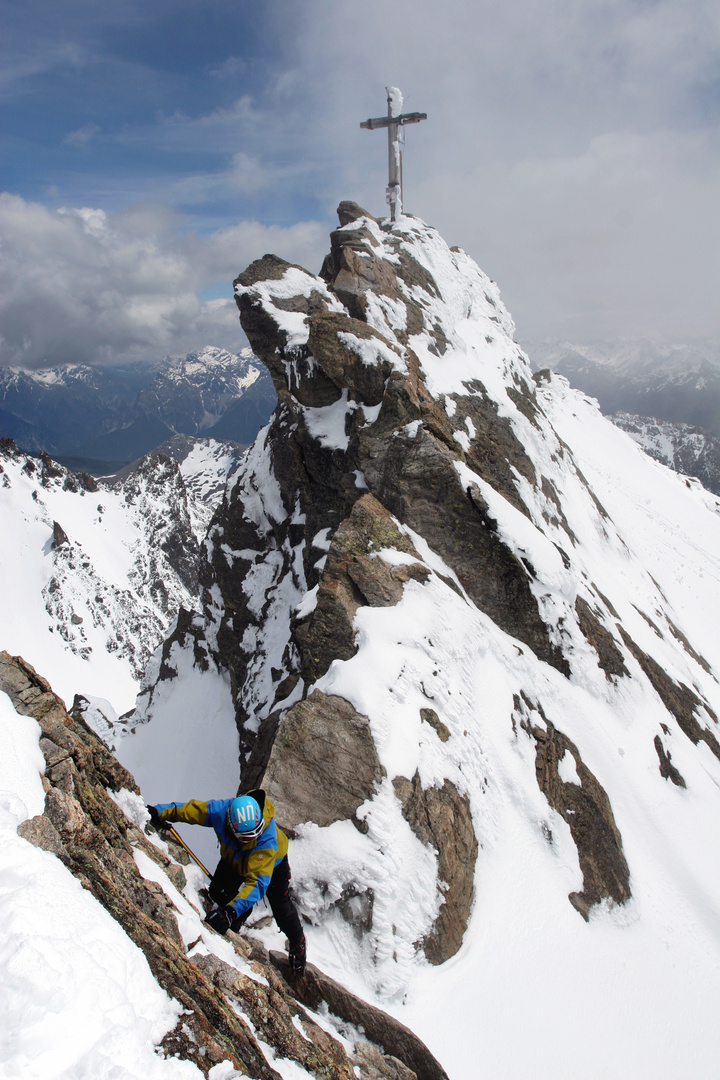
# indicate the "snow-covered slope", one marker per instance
pixel 464 621
pixel 78 998
pixel 686 449
pixel 89 602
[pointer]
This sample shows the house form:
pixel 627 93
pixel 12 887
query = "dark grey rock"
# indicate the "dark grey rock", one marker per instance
pixel 667 769
pixel 60 537
pixel 323 764
pixel 679 700
pixel 353 577
pixel 586 809
pixel 610 658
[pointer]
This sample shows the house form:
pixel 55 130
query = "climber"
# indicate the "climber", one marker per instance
pixel 253 863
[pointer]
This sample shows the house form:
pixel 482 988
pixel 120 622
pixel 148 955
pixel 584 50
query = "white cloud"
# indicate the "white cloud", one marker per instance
pixel 571 147
pixel 622 238
pixel 83 135
pixel 82 286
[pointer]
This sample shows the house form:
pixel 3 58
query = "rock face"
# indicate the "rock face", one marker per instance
pixel 584 805
pixel 323 764
pixel 440 817
pixel 226 1008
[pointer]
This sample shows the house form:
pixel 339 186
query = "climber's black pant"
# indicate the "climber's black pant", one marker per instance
pixel 281 904
pixel 226 884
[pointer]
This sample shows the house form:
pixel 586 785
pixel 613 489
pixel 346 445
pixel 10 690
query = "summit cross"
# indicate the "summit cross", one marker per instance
pixel 394 120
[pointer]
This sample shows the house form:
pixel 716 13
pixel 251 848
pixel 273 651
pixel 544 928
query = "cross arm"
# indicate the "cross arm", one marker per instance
pixel 386 121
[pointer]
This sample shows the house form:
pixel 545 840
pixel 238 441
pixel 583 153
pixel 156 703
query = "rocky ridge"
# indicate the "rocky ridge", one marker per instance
pixel 117 557
pixel 413 465
pixel 237 1002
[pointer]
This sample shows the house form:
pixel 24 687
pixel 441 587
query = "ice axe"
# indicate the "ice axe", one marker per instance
pixel 177 837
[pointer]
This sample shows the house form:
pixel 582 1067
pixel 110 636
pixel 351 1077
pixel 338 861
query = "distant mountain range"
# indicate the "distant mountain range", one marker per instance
pixel 101 418
pixel 673 382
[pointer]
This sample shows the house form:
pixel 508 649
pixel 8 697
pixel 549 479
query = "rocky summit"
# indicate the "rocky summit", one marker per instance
pixel 420 604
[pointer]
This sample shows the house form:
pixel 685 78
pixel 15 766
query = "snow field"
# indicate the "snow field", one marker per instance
pixel 77 997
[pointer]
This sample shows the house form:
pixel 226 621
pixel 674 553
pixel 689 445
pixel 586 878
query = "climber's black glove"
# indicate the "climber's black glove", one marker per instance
pixel 155 818
pixel 221 919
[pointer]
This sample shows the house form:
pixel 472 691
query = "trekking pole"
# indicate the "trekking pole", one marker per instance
pixel 176 836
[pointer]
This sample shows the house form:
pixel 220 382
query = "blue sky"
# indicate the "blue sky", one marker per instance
pixel 151 150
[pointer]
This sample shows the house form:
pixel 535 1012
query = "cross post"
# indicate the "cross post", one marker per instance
pixel 394 120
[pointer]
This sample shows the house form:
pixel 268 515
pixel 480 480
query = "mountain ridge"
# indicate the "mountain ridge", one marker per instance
pixel 667 381
pixel 433 596
pixel 464 631
pixel 95 570
pixel 687 449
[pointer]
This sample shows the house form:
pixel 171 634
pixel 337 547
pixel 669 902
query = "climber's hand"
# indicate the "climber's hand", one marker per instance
pixel 220 919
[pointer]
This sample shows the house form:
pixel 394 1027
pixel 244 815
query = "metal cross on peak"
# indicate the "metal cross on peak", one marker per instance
pixel 394 120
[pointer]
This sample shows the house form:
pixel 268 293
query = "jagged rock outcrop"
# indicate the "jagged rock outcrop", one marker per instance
pixel 226 1008
pixel 583 803
pixel 440 817
pixel 354 575
pixel 690 712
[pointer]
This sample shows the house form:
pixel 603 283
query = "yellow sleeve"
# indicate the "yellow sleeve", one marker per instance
pixel 194 812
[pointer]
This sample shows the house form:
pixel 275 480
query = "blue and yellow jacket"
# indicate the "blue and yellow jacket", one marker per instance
pixel 254 861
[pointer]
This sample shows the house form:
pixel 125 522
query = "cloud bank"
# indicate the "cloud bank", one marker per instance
pixel 82 286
